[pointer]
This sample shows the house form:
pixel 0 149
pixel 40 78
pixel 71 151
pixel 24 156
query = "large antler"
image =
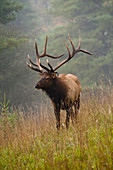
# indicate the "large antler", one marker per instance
pixel 41 67
pixel 73 52
pixel 38 64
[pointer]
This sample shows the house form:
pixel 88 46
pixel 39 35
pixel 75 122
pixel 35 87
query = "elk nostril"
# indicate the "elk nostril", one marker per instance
pixel 36 86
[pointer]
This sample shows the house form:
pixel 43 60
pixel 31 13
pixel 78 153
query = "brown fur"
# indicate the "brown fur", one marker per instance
pixel 64 91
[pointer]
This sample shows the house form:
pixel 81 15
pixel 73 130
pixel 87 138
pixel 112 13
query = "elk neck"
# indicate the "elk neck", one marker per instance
pixel 57 91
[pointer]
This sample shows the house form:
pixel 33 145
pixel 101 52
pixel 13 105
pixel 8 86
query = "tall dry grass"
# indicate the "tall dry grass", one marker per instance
pixel 30 140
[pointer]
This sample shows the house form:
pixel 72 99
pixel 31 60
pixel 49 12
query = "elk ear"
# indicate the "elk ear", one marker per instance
pixel 57 74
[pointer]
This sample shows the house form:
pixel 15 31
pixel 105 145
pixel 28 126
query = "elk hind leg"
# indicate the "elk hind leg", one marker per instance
pixel 76 111
pixel 78 103
pixel 69 112
pixel 77 106
pixel 72 115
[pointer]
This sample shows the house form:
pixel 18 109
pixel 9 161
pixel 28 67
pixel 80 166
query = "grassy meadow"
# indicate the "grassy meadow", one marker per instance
pixel 30 140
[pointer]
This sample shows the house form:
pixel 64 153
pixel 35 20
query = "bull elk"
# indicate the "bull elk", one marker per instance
pixel 63 89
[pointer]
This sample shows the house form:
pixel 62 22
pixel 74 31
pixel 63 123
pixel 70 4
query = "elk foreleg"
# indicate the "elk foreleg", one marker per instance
pixel 57 115
pixel 69 112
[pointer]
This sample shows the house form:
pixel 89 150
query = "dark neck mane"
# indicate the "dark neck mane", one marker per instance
pixel 57 91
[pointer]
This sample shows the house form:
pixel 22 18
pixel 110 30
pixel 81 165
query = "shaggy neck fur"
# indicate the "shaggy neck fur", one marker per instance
pixel 57 91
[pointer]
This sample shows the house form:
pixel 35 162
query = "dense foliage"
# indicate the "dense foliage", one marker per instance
pixel 8 10
pixel 15 43
pixel 92 20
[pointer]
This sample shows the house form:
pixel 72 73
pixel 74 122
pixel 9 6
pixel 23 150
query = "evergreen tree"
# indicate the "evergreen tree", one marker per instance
pixel 16 41
pixel 92 20
pixel 8 10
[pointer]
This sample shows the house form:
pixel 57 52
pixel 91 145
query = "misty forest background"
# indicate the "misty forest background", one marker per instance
pixel 23 21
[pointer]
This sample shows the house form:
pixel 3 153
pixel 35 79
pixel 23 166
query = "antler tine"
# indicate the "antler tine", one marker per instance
pixel 70 55
pixel 44 67
pixel 74 51
pixel 37 54
pixel 31 67
pixel 31 61
pixel 36 69
pixel 45 45
pixel 38 64
pixel 48 55
pixel 85 51
pixel 81 50
pixel 36 48
pixel 72 45
pixel 50 65
pixel 68 50
pixel 44 53
pixel 38 60
pixel 79 45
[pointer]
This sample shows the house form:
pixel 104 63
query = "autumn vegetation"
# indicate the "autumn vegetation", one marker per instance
pixel 30 140
pixel 23 21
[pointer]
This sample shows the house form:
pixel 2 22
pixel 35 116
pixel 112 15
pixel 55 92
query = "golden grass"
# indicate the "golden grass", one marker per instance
pixel 32 142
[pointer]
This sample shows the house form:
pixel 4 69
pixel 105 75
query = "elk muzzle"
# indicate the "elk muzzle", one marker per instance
pixel 41 83
pixel 37 86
